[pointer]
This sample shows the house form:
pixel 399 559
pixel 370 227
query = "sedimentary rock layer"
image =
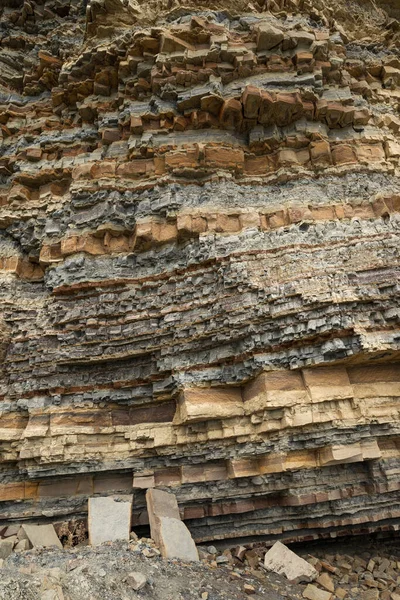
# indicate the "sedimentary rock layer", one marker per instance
pixel 199 263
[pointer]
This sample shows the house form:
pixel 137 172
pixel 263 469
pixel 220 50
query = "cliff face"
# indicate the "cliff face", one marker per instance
pixel 199 262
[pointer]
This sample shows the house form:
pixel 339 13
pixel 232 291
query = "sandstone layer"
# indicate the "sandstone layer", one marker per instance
pixel 199 263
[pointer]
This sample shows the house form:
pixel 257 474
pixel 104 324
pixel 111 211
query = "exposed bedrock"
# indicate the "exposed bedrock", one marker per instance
pixel 199 263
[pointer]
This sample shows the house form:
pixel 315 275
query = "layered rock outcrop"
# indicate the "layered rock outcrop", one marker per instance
pixel 199 262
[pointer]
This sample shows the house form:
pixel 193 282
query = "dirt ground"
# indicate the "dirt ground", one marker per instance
pixel 100 573
pixel 103 572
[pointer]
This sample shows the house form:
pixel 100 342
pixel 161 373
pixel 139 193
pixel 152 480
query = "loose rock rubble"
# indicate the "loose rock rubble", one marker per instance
pixel 121 570
pixel 365 574
pixel 19 538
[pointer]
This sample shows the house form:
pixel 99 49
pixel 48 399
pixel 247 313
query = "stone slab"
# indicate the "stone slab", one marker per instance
pixel 167 530
pixel 6 547
pixel 11 530
pixel 313 593
pixel 175 540
pixel 42 536
pixel 161 504
pixel 280 559
pixel 109 519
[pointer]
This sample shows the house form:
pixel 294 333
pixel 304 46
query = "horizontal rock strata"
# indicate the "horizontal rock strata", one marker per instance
pixel 199 264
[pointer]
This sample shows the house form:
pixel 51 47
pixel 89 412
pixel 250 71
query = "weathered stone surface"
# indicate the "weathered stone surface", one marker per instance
pixel 41 536
pixel 313 593
pixel 268 36
pixel 171 535
pixel 109 519
pixel 6 547
pixel 176 541
pixel 136 580
pixel 22 545
pixel 283 561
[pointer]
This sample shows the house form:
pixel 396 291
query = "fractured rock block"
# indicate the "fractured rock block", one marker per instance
pixel 333 455
pixel 167 530
pixel 11 531
pixel 268 36
pixel 41 536
pixel 161 504
pixel 6 547
pixel 109 519
pixel 274 390
pixel 328 383
pixel 203 404
pixel 251 100
pixel 343 154
pixel 231 113
pixel 280 559
pixel 22 545
pixel 313 593
pixel 243 467
pixel 175 540
pixel 320 152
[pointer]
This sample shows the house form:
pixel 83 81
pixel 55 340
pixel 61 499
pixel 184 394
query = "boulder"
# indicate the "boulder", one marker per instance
pixel 136 580
pixel 283 561
pixel 167 530
pixel 109 519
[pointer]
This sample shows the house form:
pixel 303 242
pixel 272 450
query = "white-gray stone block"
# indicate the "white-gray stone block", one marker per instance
pixel 109 519
pixel 176 540
pixel 280 559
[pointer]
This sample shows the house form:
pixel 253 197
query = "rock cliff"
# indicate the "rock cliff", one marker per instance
pixel 199 262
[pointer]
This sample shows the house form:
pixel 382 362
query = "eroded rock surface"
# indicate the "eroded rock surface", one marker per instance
pixel 199 262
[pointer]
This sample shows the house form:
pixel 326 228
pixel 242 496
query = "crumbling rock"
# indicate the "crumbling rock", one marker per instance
pixel 199 256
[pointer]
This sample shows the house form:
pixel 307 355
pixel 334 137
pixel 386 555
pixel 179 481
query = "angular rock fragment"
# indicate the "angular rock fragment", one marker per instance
pixel 41 536
pixel 268 36
pixel 280 559
pixel 6 547
pixel 313 593
pixel 11 530
pixel 170 534
pixel 325 581
pixel 136 580
pixel 22 545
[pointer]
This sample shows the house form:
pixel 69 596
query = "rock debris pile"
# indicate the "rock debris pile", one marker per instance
pixel 135 569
